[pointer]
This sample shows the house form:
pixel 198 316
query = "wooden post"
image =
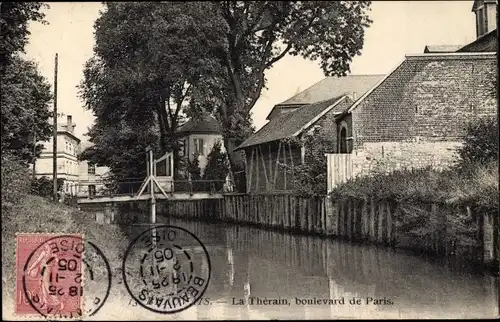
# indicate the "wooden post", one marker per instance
pixel 291 158
pixel 264 165
pixel 380 216
pixel 54 137
pixel 372 220
pixel 257 171
pixel 389 224
pixel 277 167
pixel 270 161
pixel 249 183
pixel 284 171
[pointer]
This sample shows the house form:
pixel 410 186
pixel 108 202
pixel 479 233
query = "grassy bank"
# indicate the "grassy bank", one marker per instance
pixel 474 187
pixel 23 212
pixel 453 192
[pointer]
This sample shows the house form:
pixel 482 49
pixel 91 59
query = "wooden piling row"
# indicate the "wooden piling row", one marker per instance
pixel 356 220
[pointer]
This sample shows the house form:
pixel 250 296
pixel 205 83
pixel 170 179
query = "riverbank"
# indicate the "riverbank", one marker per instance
pixel 34 214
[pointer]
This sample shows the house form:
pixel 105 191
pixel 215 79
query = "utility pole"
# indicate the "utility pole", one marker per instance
pixel 34 152
pixel 54 135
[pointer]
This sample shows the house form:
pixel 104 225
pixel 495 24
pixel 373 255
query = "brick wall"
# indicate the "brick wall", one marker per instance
pixel 389 156
pixel 428 99
pixel 420 113
pixel 328 126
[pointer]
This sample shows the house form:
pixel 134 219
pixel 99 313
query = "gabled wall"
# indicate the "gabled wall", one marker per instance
pixel 419 115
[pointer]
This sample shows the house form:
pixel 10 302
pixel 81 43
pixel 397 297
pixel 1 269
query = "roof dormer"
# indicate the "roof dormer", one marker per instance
pixel 485 11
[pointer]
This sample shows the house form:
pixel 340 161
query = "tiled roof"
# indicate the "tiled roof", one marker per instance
pixel 485 43
pixel 331 87
pixel 433 73
pixel 205 124
pixel 442 48
pixel 288 124
pixel 334 87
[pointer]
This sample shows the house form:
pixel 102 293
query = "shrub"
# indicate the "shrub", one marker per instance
pixel 217 166
pixel 481 143
pixel 15 181
pixel 310 178
pixel 44 186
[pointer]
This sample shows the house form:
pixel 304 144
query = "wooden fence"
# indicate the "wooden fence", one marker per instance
pixel 280 210
pixel 381 222
pixel 339 169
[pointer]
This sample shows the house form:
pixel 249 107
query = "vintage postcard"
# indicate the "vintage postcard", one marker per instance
pixel 250 160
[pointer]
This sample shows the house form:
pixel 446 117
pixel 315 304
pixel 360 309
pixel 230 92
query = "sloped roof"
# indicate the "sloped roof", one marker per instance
pixel 333 87
pixel 289 124
pixel 442 48
pixel 435 73
pixel 486 43
pixel 204 124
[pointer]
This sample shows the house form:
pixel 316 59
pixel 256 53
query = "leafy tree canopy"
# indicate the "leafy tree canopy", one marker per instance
pixel 25 94
pixel 25 104
pixel 147 60
pixel 209 56
pixel 14 20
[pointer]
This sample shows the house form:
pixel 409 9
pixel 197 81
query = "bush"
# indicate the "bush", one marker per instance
pixel 481 144
pixel 44 186
pixel 217 167
pixel 15 181
pixel 310 178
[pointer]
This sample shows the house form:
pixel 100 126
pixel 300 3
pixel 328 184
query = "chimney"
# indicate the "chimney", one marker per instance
pixel 485 11
pixel 69 124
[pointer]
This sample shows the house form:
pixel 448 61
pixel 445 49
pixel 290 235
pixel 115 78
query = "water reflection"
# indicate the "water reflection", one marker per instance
pixel 252 263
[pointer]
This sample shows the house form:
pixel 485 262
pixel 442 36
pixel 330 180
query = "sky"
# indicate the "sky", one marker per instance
pixel 398 28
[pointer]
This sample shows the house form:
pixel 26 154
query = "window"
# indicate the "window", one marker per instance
pixel 92 190
pixel 185 147
pixel 485 20
pixel 480 19
pixel 91 168
pixel 198 146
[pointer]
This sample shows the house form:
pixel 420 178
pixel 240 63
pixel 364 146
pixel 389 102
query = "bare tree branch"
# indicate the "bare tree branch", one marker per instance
pixel 275 59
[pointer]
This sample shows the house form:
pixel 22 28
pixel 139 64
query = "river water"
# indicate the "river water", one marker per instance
pixel 303 273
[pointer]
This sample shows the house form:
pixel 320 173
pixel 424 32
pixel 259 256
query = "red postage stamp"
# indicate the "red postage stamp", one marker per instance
pixel 49 275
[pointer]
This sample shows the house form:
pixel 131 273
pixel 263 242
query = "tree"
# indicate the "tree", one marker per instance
pixel 216 168
pixel 25 104
pixel 251 36
pixel 147 59
pixel 14 20
pixel 212 54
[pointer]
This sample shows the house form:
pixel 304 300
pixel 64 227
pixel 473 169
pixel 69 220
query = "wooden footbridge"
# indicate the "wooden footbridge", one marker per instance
pixel 160 181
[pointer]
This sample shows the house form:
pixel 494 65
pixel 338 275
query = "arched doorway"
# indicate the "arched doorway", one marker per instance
pixel 343 140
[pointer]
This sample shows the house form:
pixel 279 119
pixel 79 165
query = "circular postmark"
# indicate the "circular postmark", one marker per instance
pixel 166 269
pixel 66 277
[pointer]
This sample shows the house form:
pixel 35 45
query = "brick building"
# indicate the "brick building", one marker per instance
pixel 314 108
pixel 418 114
pixel 413 117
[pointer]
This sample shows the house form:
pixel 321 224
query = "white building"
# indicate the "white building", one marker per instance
pixel 79 177
pixel 91 177
pixel 68 146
